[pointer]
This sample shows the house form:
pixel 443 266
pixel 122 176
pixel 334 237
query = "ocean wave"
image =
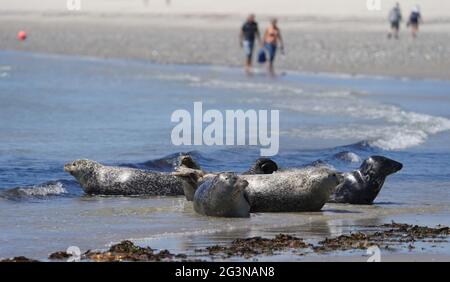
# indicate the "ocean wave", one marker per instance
pixel 348 156
pixel 248 86
pixel 41 191
pixel 179 77
pixel 166 163
pixel 4 71
pixel 384 126
pixel 385 137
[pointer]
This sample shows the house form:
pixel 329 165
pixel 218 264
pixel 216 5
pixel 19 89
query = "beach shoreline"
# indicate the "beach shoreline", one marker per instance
pixel 313 44
pixel 391 242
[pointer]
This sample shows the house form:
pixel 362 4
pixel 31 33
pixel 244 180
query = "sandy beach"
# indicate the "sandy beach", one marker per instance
pixel 313 44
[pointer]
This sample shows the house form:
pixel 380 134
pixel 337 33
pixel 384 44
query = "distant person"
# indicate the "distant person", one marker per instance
pixel 272 36
pixel 249 33
pixel 415 18
pixel 395 17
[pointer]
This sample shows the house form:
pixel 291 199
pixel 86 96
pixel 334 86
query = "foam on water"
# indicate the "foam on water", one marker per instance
pixel 5 71
pixel 394 128
pixel 179 77
pixel 38 191
pixel 348 156
pixel 385 126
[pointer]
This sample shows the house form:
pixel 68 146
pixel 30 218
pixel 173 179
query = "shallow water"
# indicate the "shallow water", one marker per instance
pixel 54 109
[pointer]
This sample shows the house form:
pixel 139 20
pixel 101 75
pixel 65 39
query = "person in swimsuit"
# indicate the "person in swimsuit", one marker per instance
pixel 249 32
pixel 415 18
pixel 272 37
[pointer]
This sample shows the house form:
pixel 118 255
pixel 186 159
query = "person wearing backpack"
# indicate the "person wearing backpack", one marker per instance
pixel 395 17
pixel 415 18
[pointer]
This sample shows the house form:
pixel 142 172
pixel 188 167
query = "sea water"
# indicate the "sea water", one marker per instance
pixel 55 109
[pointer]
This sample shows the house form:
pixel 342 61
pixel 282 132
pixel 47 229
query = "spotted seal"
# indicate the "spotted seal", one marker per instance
pixel 191 171
pixel 222 196
pixel 99 179
pixel 288 191
pixel 296 190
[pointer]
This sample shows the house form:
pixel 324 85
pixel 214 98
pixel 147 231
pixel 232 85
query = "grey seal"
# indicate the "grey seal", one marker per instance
pixel 191 172
pixel 287 191
pixel 96 178
pixel 222 196
pixel 363 185
pixel 297 190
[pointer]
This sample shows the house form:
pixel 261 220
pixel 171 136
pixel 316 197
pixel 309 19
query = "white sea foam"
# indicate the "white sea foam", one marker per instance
pixel 179 77
pixel 249 86
pixel 349 156
pixel 385 126
pixel 5 68
pixel 391 137
pixel 43 190
pixel 4 71
pixel 396 129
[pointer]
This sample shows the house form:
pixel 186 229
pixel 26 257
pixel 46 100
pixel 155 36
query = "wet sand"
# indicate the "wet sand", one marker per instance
pixel 350 46
pixel 385 244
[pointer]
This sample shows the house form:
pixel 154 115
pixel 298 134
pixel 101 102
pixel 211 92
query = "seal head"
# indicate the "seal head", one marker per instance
pixel 222 196
pixel 263 166
pixel 82 170
pixel 363 185
pixel 187 161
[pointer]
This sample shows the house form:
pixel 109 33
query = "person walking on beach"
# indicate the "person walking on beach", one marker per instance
pixel 395 17
pixel 272 36
pixel 249 33
pixel 415 18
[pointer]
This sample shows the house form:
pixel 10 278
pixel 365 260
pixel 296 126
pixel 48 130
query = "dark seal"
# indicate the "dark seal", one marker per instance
pixel 362 186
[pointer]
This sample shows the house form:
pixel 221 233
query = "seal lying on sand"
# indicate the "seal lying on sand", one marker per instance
pixel 291 191
pixel 288 191
pixel 222 196
pixel 95 178
pixel 362 186
pixel 191 171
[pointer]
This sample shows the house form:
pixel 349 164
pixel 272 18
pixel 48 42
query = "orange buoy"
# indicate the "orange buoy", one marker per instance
pixel 22 35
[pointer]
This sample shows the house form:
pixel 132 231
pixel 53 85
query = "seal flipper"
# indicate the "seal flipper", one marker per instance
pixel 191 177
